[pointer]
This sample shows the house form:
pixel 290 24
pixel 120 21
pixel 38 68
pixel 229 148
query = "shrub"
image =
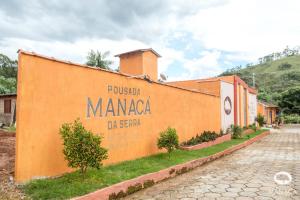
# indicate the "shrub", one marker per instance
pixel 260 120
pixel 193 141
pixel 284 66
pixel 291 119
pixel 168 140
pixel 222 132
pixel 236 131
pixel 81 148
pixel 228 130
pixel 253 127
pixel 206 136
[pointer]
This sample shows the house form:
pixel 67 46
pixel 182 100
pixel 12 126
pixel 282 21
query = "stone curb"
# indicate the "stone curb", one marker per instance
pixel 130 186
pixel 7 134
pixel 219 140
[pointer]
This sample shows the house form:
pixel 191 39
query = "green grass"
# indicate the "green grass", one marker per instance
pixel 11 129
pixel 72 184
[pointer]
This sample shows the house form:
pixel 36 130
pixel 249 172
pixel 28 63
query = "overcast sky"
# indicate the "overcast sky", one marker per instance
pixel 196 38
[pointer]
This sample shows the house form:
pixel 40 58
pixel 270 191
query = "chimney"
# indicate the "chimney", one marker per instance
pixel 139 62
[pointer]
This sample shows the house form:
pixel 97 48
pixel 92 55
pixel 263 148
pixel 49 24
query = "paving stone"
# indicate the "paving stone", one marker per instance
pixel 222 186
pixel 243 198
pixel 248 194
pixel 217 190
pixel 251 189
pixel 212 195
pixel 230 194
pixel 233 190
pixel 263 198
pixel 245 174
pixel 253 185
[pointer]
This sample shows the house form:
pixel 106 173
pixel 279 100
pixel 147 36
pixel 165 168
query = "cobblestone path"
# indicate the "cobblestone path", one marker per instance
pixel 245 174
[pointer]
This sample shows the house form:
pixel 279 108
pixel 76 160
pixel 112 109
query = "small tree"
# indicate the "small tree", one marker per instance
pixel 81 147
pixel 168 140
pixel 260 120
pixel 98 59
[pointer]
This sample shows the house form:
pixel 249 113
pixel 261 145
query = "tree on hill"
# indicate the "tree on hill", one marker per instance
pixel 98 59
pixel 290 101
pixel 8 67
pixel 8 75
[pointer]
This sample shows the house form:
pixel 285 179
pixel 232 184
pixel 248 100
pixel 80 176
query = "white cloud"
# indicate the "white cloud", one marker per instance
pixel 254 28
pixel 205 66
pixel 75 52
pixel 226 30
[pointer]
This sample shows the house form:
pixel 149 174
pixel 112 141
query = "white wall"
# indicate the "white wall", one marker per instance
pixel 227 90
pixel 252 107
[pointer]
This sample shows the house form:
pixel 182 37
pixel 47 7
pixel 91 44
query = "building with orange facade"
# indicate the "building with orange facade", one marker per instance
pixel 268 110
pixel 128 108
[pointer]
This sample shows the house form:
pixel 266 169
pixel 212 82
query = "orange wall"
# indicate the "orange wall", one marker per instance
pixel 189 84
pixel 150 64
pixel 139 63
pixel 131 64
pixel 229 79
pixel 273 115
pixel 260 109
pixel 241 102
pixel 210 87
pixel 51 93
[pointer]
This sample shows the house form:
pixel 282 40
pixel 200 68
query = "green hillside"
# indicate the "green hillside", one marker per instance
pixel 272 77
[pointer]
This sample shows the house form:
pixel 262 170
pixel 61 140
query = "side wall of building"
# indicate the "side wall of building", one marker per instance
pixel 132 64
pixel 227 105
pixel 252 106
pixel 260 109
pixel 51 93
pixel 270 115
pixel 150 64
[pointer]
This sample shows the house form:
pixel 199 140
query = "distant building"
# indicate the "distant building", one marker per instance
pixel 268 110
pixel 7 109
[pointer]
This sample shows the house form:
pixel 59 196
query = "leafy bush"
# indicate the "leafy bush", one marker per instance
pixel 7 85
pixel 236 131
pixel 168 140
pixel 260 120
pixel 284 66
pixel 222 132
pixel 290 101
pixel 253 127
pixel 228 130
pixel 206 136
pixel 291 119
pixel 81 148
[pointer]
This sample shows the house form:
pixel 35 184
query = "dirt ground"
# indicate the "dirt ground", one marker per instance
pixel 8 190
